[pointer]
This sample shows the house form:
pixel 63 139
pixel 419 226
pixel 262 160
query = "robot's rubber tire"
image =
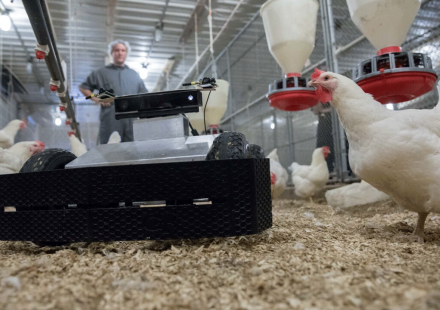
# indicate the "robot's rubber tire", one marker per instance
pixel 50 159
pixel 229 145
pixel 255 151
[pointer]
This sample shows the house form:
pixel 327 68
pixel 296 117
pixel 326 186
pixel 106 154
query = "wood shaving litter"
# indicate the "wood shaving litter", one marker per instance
pixel 350 260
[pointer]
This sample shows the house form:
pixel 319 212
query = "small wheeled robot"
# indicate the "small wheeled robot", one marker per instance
pixel 166 184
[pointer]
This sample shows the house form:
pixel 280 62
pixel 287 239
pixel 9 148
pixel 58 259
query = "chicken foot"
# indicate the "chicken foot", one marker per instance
pixel 419 233
pixel 420 228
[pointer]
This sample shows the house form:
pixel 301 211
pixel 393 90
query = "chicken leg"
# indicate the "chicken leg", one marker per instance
pixel 419 233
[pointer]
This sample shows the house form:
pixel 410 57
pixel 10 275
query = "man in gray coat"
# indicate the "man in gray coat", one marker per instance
pixel 123 81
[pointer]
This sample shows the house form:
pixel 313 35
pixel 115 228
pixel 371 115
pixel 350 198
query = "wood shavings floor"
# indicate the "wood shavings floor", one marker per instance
pixel 313 258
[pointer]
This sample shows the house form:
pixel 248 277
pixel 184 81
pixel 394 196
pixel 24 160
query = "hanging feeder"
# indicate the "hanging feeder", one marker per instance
pixel 291 94
pixel 396 77
pixel 217 104
pixel 392 76
pixel 290 31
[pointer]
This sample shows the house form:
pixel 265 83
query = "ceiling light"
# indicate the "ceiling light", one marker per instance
pixel 158 32
pixel 29 65
pixel 144 71
pixel 272 126
pixel 5 22
pixel 58 121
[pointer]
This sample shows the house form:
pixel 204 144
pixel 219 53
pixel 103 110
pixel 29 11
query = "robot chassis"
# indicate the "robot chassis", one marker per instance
pixel 165 184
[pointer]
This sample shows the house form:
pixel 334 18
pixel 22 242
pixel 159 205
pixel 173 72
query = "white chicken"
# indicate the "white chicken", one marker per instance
pixel 355 194
pixel 7 134
pixel 310 179
pixel 12 159
pixel 78 148
pixel 278 175
pixel 115 137
pixel 397 152
pixel 9 163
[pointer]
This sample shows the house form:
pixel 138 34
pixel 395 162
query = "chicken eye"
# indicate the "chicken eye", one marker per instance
pixel 326 78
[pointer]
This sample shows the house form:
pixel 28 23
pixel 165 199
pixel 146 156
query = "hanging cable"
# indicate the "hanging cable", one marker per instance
pixel 204 112
pixel 193 131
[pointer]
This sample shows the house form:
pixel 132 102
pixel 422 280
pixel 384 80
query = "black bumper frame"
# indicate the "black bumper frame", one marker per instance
pixel 75 205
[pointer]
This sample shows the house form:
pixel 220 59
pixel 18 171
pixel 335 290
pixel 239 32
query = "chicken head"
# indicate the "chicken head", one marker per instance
pixel 325 150
pixel 36 147
pixel 324 83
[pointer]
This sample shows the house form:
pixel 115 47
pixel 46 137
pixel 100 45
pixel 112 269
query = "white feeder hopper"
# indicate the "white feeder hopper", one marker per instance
pixel 392 76
pixel 290 27
pixel 385 23
pixel 217 104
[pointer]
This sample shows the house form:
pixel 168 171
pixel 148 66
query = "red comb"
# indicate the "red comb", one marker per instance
pixel 317 73
pixel 273 178
pixel 41 143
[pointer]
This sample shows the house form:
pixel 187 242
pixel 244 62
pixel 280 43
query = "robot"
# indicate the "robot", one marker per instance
pixel 166 184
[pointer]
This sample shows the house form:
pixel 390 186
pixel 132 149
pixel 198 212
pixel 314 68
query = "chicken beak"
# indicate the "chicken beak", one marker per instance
pixel 313 83
pixel 41 145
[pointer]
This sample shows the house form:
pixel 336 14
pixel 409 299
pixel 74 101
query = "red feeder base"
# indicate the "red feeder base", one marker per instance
pixel 398 86
pixel 293 100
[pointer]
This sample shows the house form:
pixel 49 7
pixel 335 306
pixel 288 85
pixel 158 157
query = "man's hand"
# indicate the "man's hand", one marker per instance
pixel 87 93
pixel 103 104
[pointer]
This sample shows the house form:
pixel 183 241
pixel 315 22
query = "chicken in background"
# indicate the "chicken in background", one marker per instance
pixel 7 134
pixel 308 180
pixel 78 148
pixel 355 194
pixel 397 152
pixel 115 137
pixel 278 175
pixel 12 159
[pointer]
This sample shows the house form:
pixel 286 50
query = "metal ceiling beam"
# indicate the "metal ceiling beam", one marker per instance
pixel 199 9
